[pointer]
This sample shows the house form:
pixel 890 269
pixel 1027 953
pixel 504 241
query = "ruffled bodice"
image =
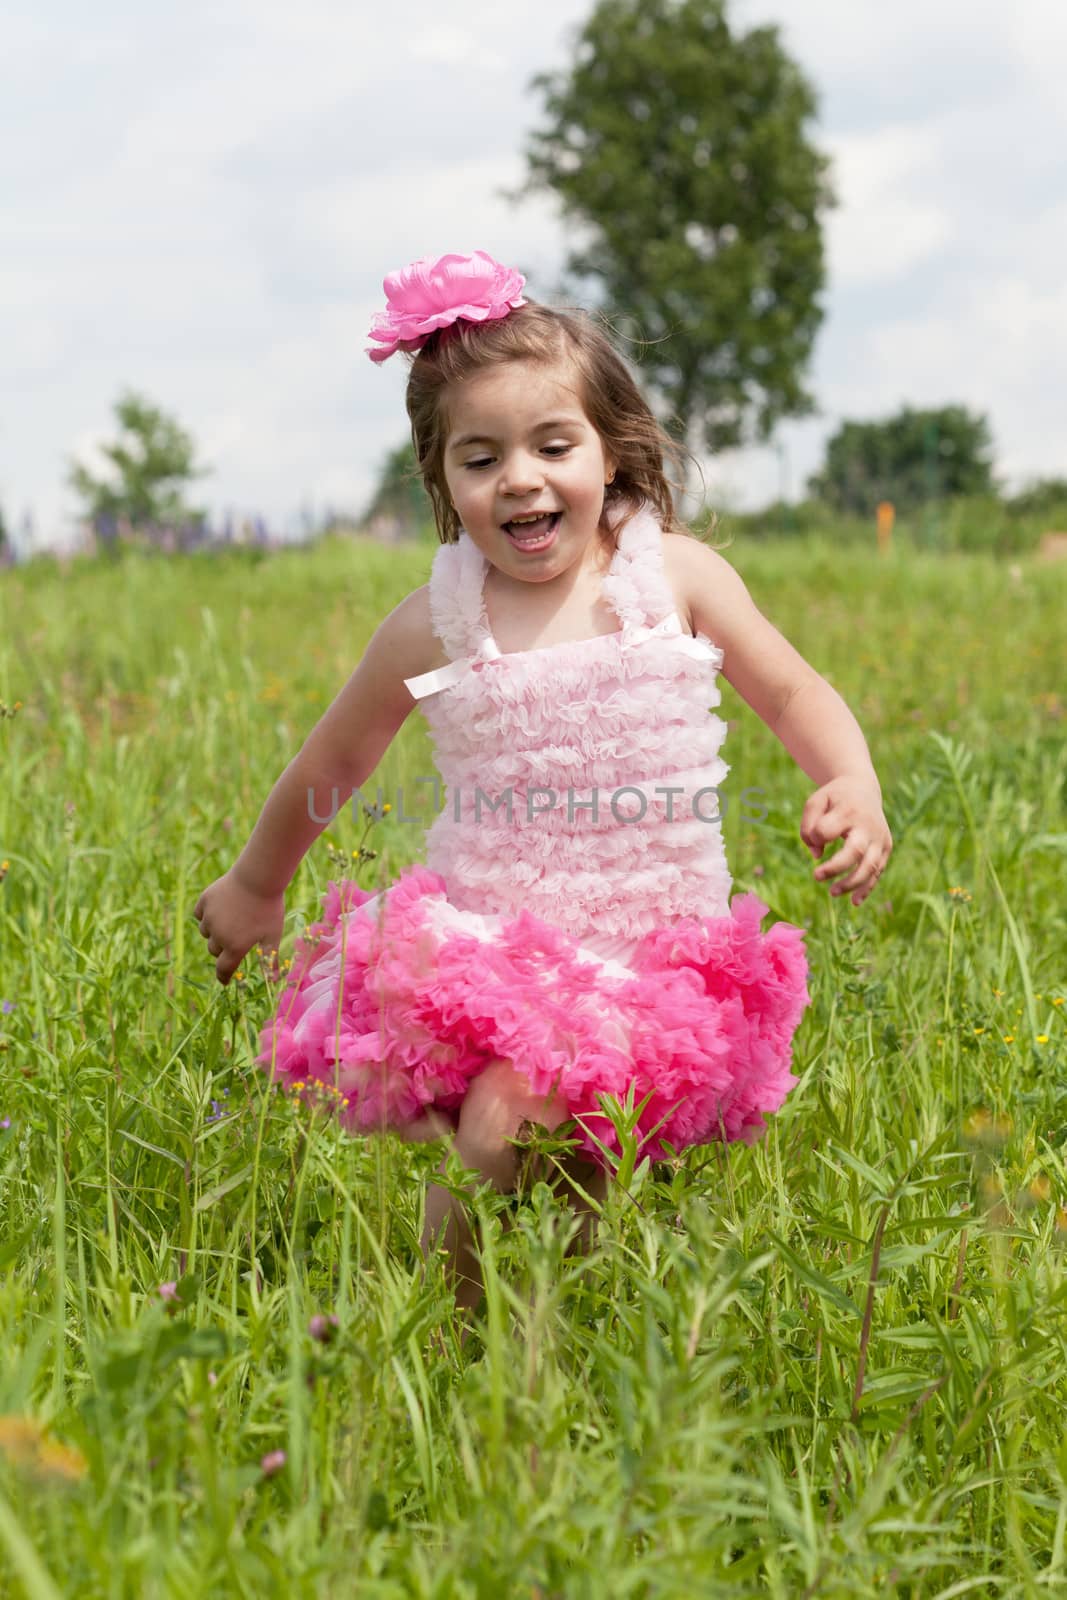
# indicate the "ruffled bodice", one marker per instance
pixel 526 741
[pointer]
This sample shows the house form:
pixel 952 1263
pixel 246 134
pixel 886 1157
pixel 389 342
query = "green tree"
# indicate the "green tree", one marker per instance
pixel 1040 498
pixel 681 147
pixel 399 492
pixel 911 458
pixel 153 463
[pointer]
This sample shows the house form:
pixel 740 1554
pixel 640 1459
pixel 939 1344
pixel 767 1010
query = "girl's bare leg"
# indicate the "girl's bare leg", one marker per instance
pixel 497 1108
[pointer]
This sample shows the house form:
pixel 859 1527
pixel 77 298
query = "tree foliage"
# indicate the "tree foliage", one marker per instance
pixel 1041 497
pixel 910 458
pixel 153 463
pixel 399 491
pixel 681 147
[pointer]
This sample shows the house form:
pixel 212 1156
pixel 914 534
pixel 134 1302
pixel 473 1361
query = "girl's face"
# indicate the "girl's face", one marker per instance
pixel 519 442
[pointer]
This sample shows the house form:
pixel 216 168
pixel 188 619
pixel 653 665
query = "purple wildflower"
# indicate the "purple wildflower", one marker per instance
pixel 169 1292
pixel 5 1122
pixel 217 1111
pixel 7 1006
pixel 272 1462
pixel 322 1329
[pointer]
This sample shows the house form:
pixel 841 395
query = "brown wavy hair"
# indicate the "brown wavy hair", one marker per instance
pixel 608 394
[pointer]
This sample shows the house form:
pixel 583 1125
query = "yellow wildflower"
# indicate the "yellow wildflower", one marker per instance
pixel 979 1030
pixel 983 1126
pixel 1008 1038
pixel 25 1443
pixel 1042 1038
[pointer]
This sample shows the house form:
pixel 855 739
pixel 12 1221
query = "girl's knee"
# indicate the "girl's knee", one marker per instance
pixel 500 1100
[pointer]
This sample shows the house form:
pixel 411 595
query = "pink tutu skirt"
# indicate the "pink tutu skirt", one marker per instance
pixel 396 1001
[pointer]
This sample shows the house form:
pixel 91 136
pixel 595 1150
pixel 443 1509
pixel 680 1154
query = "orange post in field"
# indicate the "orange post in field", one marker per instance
pixel 886 517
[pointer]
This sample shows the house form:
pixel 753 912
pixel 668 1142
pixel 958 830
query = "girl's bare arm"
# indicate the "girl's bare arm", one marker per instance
pixel 246 905
pixel 804 711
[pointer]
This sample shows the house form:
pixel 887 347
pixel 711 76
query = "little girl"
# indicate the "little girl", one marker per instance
pixel 571 934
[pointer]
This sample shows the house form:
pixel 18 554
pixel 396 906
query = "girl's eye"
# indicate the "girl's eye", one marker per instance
pixel 550 449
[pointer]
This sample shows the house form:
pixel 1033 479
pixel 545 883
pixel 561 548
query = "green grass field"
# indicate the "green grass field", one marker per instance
pixel 834 1363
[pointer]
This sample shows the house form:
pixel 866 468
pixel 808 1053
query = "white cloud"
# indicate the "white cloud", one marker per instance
pixel 883 224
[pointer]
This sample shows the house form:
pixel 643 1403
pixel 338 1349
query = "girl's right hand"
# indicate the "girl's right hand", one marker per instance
pixel 233 918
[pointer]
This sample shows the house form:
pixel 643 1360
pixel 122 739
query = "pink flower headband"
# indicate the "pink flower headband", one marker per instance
pixel 434 292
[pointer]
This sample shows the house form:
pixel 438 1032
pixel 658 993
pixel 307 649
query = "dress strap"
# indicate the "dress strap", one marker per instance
pixel 455 598
pixel 636 586
pixel 456 616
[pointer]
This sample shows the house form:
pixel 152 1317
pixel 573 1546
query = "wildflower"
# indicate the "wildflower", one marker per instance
pixel 387 806
pixel 999 993
pixel 323 1328
pixel 1058 1000
pixel 959 893
pixel 983 1127
pixel 168 1292
pixel 1042 1038
pixel 7 1006
pixel 57 1460
pixel 1009 1038
pixel 979 1030
pixel 272 1463
pixel 213 1378
pixel 24 1442
pixel 5 1122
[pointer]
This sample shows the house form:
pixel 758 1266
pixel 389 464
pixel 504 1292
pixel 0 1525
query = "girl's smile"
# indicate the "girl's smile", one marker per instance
pixel 534 536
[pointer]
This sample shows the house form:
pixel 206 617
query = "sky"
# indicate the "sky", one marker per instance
pixel 201 202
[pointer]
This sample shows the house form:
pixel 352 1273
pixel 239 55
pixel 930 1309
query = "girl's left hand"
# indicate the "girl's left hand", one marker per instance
pixel 848 809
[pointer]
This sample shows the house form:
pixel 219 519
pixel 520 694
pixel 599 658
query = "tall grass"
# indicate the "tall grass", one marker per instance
pixel 830 1363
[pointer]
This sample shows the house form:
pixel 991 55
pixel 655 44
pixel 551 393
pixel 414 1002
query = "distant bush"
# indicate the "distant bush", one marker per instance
pixel 1045 498
pixel 959 523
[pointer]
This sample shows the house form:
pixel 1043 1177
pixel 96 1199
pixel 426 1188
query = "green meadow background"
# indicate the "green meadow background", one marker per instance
pixel 832 1363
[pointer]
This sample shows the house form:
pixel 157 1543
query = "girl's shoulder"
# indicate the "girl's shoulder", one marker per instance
pixel 705 582
pixel 687 572
pixel 410 624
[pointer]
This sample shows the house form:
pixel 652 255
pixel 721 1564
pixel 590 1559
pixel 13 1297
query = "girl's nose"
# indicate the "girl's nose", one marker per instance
pixel 521 475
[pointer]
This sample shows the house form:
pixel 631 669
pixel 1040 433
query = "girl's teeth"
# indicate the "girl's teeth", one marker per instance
pixel 531 530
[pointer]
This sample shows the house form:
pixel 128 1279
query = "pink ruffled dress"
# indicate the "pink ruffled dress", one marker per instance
pixel 574 911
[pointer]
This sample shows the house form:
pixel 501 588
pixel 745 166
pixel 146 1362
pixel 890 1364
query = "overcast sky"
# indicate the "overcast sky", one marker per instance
pixel 201 202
